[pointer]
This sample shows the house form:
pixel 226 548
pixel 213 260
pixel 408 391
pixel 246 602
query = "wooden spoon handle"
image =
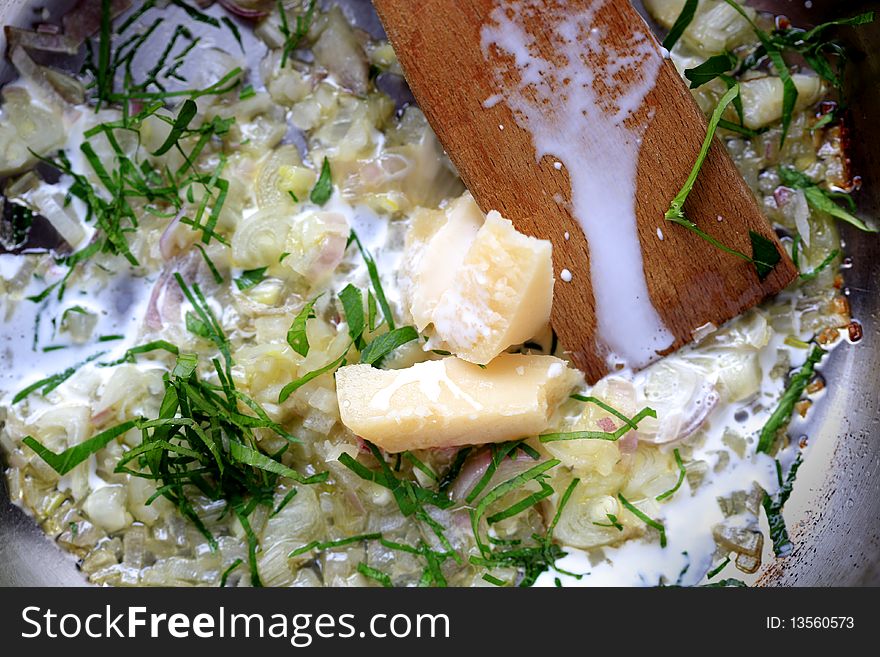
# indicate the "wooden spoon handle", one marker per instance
pixel 464 63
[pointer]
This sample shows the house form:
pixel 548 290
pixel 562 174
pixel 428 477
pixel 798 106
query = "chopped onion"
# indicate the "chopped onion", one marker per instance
pixel 242 12
pixel 41 40
pixel 51 206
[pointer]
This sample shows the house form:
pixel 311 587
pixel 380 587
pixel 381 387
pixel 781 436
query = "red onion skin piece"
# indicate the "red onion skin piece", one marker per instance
pixel 152 317
pixel 782 195
pixel 629 443
pixel 85 18
pixel 607 424
pixel 242 12
pixel 474 467
pixel 166 293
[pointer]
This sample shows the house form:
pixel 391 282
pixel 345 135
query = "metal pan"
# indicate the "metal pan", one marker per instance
pixel 834 513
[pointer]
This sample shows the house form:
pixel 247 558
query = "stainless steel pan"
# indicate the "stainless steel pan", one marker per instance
pixel 834 514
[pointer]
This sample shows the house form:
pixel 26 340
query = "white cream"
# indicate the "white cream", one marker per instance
pixel 598 140
pixel 688 516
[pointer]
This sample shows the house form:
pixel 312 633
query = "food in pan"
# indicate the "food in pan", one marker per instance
pixel 257 333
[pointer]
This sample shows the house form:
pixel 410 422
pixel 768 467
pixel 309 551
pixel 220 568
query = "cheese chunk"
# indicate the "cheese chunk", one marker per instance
pixel 450 402
pixel 477 285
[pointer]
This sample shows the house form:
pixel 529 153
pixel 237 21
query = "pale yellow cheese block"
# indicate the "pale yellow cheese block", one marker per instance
pixel 450 402
pixel 477 285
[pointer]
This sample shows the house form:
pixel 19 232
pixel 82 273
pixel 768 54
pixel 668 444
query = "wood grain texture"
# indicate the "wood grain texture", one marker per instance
pixel 691 283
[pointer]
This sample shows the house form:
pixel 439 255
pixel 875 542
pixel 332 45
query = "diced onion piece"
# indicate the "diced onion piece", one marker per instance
pixel 106 508
pixel 259 239
pixel 682 397
pixel 762 98
pixel 339 51
pixel 281 173
pixel 51 206
pixel 316 244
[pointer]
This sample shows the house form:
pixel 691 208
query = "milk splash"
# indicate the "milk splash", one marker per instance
pixel 582 108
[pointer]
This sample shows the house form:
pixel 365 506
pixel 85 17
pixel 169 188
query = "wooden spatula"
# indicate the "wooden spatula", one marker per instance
pixel 564 116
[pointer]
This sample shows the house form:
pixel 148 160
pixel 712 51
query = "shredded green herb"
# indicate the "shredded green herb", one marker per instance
pixel 72 456
pixel 373 272
pixel 773 508
pixel 323 189
pixel 765 256
pixel 47 385
pixel 629 424
pixel 782 413
pixel 373 573
pixel 294 38
pixel 820 199
pixel 297 337
pixel 383 345
pixel 681 475
pixel 638 513
pixel 250 278
pixel 717 569
pixel 681 24
pixel 712 68
pixel 612 522
pixel 293 386
pixel 226 573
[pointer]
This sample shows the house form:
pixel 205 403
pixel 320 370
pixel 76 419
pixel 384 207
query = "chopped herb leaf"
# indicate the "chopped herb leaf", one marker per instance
pixel 353 305
pixel 196 326
pixel 373 271
pixel 818 198
pixel 72 456
pixel 329 545
pixel 155 345
pixel 47 385
pixel 711 69
pixel 782 413
pixel 244 454
pixel 734 127
pixel 638 513
pixel 717 569
pixel 773 508
pixel 420 465
pixel 766 260
pixel 284 502
pixel 218 278
pixel 226 573
pixel 297 337
pixel 628 425
pixel 250 278
pixel 303 24
pixel 455 469
pixel 372 573
pixel 501 490
pixel 323 188
pixel 383 345
pixel 612 522
pixel 822 266
pixel 181 123
pixel 681 475
pixel 765 255
pixel 493 580
pixel 293 386
pixel 681 24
